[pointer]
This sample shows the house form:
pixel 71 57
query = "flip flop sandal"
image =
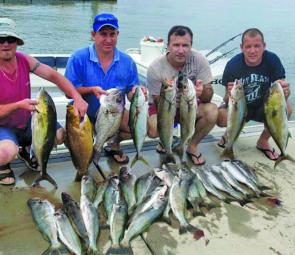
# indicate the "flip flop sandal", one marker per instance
pixel 265 151
pixel 222 142
pixel 112 153
pixel 31 163
pixel 192 155
pixel 10 174
pixel 160 150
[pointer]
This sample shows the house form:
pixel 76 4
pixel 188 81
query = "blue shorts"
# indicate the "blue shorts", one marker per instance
pixel 20 136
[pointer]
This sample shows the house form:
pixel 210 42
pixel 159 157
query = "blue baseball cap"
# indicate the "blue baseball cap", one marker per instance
pixel 105 19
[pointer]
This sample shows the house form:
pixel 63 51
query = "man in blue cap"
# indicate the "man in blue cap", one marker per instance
pixel 99 67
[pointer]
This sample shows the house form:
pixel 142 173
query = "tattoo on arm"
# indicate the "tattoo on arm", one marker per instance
pixel 35 67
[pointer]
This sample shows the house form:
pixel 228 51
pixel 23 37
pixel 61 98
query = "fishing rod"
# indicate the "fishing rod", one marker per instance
pixel 221 56
pixel 222 44
pixel 99 170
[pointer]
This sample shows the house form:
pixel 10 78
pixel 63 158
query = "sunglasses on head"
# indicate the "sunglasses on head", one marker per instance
pixel 9 39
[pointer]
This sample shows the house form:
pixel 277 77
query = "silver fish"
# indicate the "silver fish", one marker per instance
pixel 88 187
pixel 108 120
pixel 43 215
pixel 236 116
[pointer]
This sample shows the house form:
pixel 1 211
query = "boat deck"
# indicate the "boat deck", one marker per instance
pixel 253 229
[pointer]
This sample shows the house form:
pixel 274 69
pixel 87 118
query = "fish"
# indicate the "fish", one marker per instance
pixel 178 200
pixel 239 176
pixel 188 108
pixel 66 233
pixel 88 187
pixel 165 175
pixel 165 116
pixel 79 141
pixel 108 119
pixel 127 185
pixel 118 220
pixel 91 221
pixel 101 188
pixel 143 221
pixel 144 185
pixel 276 120
pixel 73 211
pixel 43 133
pixel 111 196
pixel 138 116
pixel 43 215
pixel 236 117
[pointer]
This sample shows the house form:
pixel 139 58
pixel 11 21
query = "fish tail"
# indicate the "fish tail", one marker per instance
pixel 78 177
pixel 45 176
pixel 169 158
pixel 187 228
pixel 120 250
pixel 281 158
pixel 92 251
pixel 228 153
pixel 56 250
pixel 139 158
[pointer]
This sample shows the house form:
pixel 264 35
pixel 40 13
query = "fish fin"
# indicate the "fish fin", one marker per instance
pixel 92 251
pixel 187 228
pixel 120 250
pixel 169 158
pixel 44 177
pixel 281 158
pixel 78 177
pixel 140 158
pixel 228 153
pixel 61 250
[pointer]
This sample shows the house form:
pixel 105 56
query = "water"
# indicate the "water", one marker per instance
pixel 63 26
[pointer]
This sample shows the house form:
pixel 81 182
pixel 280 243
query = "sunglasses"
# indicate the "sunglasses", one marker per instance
pixel 9 39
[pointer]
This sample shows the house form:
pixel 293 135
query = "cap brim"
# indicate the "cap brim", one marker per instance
pixel 104 25
pixel 7 34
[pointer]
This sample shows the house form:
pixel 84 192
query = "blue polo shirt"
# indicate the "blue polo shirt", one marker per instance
pixel 84 70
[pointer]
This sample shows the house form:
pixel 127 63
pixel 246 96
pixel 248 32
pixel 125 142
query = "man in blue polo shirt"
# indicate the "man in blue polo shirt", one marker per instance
pixel 101 66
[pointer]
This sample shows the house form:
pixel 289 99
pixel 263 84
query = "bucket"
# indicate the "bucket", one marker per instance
pixel 150 50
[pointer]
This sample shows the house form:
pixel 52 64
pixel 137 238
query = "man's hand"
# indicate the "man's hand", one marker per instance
pixel 28 104
pixel 286 87
pixel 98 91
pixel 80 107
pixel 229 87
pixel 199 88
pixel 143 89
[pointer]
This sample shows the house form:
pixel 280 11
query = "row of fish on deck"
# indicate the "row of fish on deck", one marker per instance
pixel 129 205
pixel 109 116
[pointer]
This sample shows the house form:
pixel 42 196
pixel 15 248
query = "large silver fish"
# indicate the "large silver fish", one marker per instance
pixel 118 220
pixel 138 116
pixel 165 116
pixel 43 133
pixel 236 116
pixel 66 233
pixel 88 187
pixel 91 221
pixel 43 215
pixel 108 120
pixel 188 110
pixel 276 120
pixel 72 209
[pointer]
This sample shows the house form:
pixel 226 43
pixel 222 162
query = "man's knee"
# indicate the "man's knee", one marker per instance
pixel 60 135
pixel 208 114
pixel 152 131
pixel 8 151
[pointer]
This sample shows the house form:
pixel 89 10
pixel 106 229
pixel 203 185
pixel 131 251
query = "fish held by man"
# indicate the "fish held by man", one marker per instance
pixel 237 112
pixel 138 116
pixel 108 120
pixel 166 115
pixel 43 133
pixel 276 120
pixel 79 141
